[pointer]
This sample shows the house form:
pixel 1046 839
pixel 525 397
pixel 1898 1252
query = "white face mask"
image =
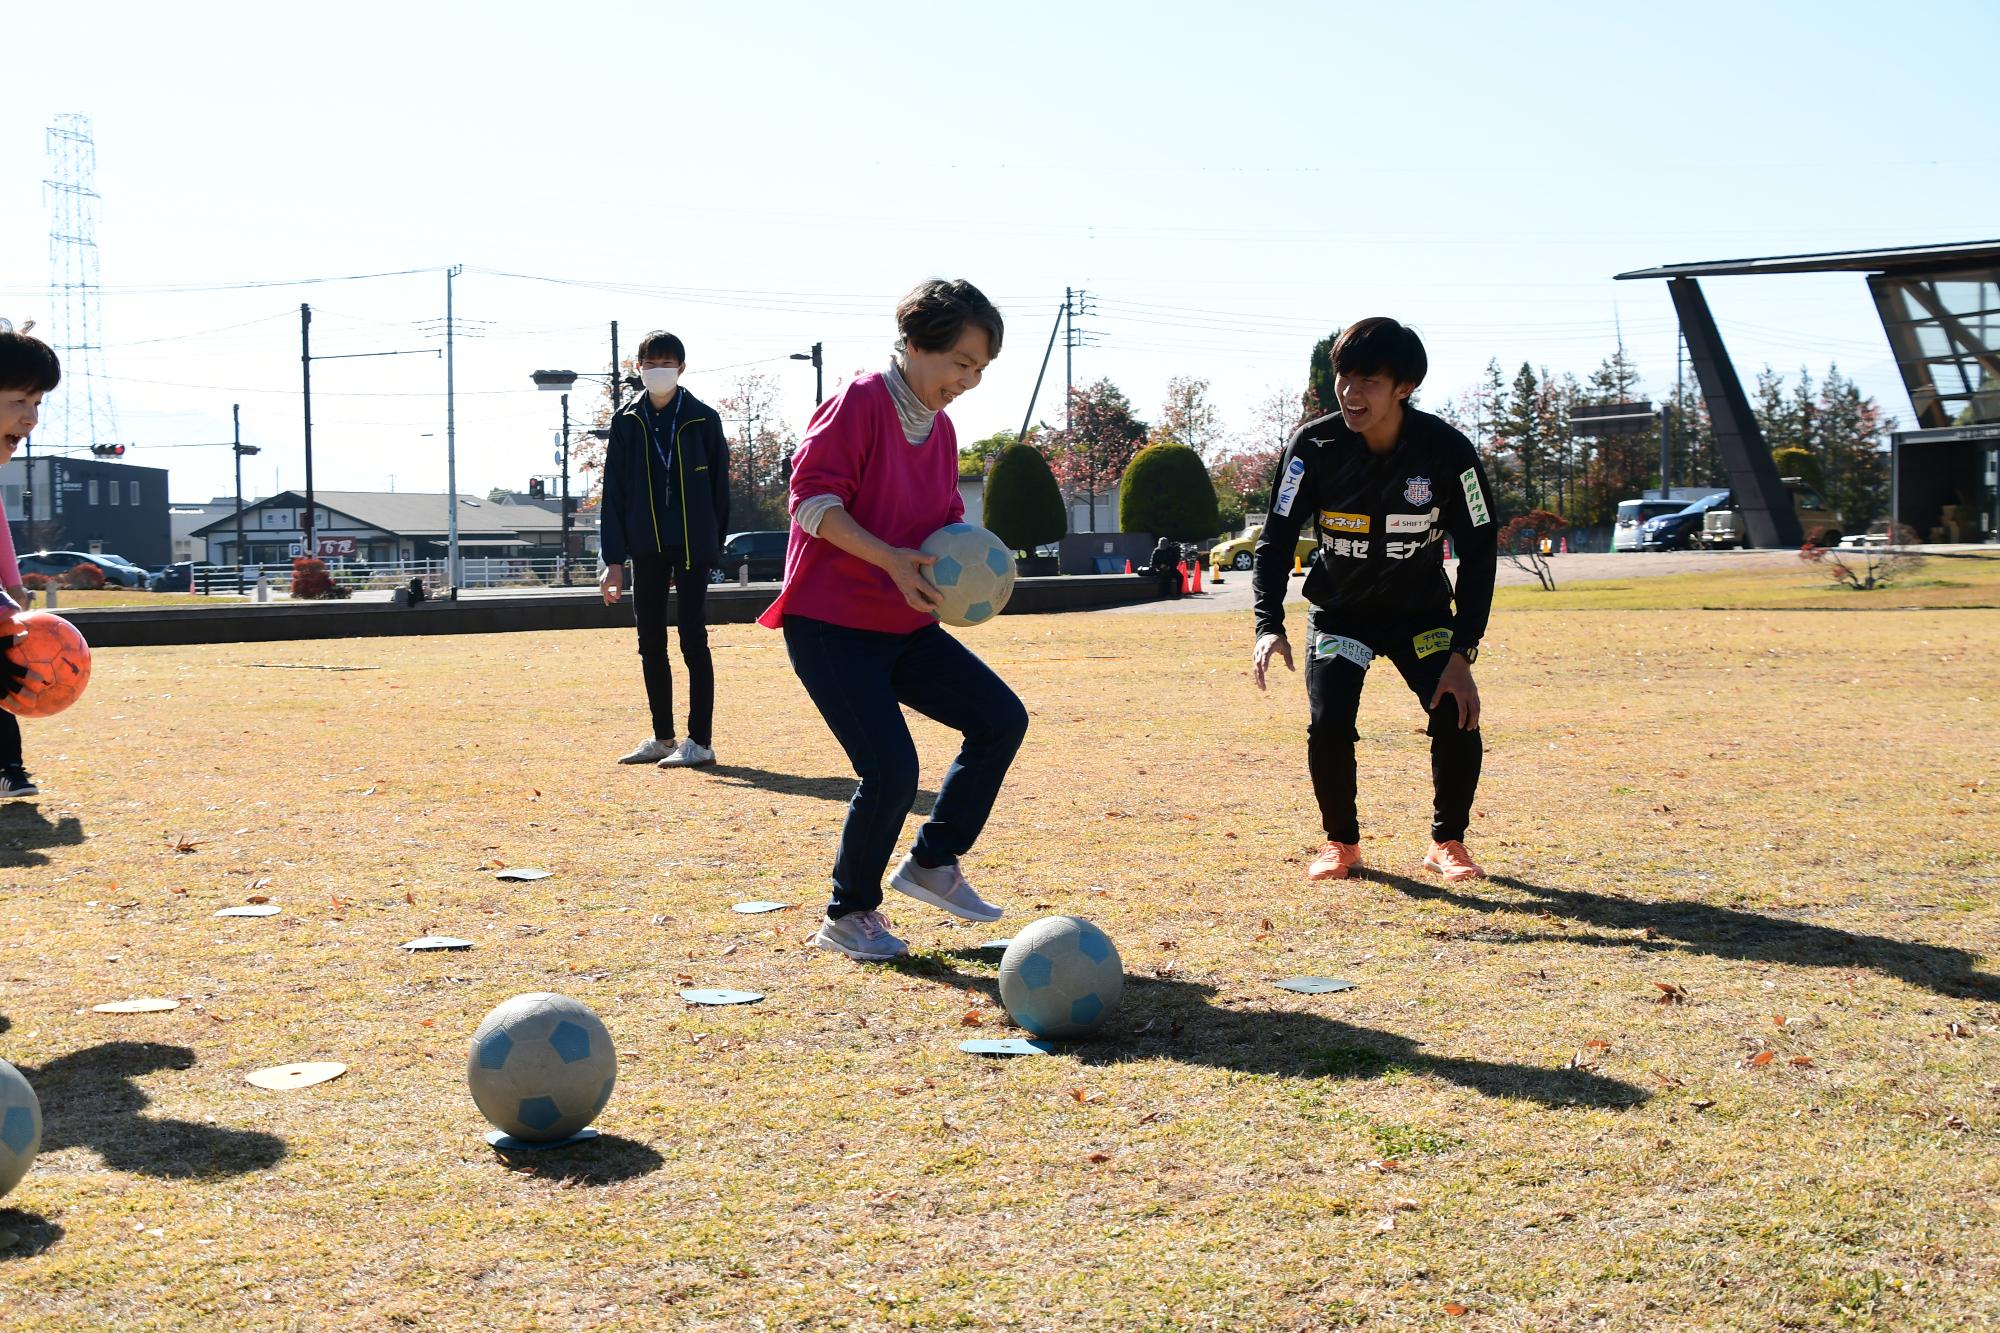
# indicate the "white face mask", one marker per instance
pixel 660 379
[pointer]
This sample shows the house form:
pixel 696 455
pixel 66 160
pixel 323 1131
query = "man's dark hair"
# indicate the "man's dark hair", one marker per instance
pixel 934 315
pixel 1381 346
pixel 28 364
pixel 660 343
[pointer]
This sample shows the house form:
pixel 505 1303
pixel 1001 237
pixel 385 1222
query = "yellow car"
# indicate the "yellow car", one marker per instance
pixel 1240 552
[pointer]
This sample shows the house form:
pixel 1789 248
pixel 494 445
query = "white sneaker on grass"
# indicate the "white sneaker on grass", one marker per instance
pixel 944 887
pixel 688 754
pixel 652 752
pixel 863 936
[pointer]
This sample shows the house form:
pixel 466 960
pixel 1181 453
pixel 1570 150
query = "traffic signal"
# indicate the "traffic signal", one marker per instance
pixel 108 450
pixel 536 489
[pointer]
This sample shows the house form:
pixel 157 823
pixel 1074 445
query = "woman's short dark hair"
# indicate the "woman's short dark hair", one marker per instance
pixel 28 364
pixel 1381 346
pixel 934 316
pixel 660 344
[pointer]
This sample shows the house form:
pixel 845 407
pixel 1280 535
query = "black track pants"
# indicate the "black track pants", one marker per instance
pixel 653 572
pixel 1339 650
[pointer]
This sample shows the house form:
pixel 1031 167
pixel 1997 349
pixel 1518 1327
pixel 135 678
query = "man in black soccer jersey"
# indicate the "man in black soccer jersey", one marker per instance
pixel 1382 484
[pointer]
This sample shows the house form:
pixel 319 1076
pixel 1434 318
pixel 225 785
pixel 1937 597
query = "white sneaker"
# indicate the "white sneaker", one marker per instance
pixel 688 754
pixel 860 935
pixel 652 752
pixel 943 887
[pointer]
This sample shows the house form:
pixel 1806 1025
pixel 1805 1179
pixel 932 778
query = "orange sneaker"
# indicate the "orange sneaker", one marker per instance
pixel 1450 859
pixel 1336 860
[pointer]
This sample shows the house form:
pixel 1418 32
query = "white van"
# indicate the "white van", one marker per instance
pixel 1632 516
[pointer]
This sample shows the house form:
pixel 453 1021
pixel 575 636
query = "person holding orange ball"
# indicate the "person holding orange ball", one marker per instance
pixel 29 368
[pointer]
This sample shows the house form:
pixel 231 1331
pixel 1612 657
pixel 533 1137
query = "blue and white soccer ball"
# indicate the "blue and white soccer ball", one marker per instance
pixel 1061 977
pixel 542 1067
pixel 20 1127
pixel 974 571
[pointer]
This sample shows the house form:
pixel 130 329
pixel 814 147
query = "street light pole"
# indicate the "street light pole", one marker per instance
pixel 306 369
pixel 565 490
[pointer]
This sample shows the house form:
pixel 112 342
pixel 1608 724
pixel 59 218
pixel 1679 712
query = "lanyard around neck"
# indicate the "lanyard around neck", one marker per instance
pixel 673 424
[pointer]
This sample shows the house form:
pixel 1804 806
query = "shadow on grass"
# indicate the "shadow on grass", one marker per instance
pixel 25 831
pixel 792 784
pixel 604 1160
pixel 1167 1019
pixel 1720 932
pixel 90 1100
pixel 33 1233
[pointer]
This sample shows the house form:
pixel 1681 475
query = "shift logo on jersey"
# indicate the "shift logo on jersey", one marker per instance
pixel 1394 523
pixel 1295 473
pixel 1417 491
pixel 1334 521
pixel 1475 498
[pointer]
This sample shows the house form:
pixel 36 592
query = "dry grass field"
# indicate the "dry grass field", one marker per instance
pixel 1717 1046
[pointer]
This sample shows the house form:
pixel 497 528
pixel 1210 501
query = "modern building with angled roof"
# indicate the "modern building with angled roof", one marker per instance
pixel 389 527
pixel 1940 309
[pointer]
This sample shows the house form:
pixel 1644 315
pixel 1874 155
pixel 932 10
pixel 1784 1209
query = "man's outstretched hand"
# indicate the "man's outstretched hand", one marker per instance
pixel 1269 646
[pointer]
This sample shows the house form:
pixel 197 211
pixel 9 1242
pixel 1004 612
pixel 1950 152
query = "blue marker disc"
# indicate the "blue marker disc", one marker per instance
pixel 722 996
pixel 1314 985
pixel 506 1142
pixel 1006 1046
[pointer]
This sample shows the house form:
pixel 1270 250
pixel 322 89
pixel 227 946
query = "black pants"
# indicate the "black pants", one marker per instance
pixel 861 681
pixel 10 740
pixel 652 573
pixel 1340 648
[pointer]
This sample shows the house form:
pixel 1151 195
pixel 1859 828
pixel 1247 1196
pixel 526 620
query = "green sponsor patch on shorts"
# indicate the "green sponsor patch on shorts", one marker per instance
pixel 1432 641
pixel 1328 646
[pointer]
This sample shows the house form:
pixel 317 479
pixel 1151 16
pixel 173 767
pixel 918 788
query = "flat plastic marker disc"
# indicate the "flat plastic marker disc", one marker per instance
pixel 752 909
pixel 278 1078
pixel 505 1142
pixel 722 996
pixel 1314 985
pixel 517 873
pixel 1006 1046
pixel 250 909
pixel 995 946
pixel 430 942
pixel 135 1007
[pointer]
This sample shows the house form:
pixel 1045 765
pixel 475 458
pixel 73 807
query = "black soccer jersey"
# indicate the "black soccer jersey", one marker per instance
pixel 1381 521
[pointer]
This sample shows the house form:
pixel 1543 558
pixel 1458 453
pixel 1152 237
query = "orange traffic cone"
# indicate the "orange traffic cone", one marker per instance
pixel 1182 567
pixel 1565 546
pixel 1296 565
pixel 1128 565
pixel 1195 569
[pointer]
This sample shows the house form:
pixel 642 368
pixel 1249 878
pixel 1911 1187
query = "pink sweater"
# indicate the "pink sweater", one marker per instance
pixel 898 492
pixel 10 567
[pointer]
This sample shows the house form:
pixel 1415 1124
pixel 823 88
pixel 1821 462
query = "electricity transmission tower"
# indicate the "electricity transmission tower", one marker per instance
pixel 79 413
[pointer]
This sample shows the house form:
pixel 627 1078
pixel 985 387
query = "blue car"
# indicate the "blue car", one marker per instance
pixel 1679 531
pixel 117 569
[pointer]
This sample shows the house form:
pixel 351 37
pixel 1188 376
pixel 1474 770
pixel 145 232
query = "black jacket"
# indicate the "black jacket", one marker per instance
pixel 1381 524
pixel 666 481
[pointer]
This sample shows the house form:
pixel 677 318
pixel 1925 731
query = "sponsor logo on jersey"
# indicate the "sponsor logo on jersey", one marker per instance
pixel 1475 498
pixel 1417 491
pixel 1295 473
pixel 1334 521
pixel 1328 646
pixel 1432 641
pixel 1409 522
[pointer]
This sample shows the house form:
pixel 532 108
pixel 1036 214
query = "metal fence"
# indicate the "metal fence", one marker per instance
pixel 481 571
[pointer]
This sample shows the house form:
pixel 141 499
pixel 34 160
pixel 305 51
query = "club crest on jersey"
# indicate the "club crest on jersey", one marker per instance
pixel 1417 491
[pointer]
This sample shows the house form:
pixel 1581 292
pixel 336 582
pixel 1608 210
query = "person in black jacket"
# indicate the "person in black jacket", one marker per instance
pixel 665 509
pixel 1382 485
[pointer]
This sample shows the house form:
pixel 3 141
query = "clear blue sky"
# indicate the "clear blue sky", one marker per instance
pixel 1230 181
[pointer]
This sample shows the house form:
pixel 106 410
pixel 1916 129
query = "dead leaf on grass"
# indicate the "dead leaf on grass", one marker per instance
pixel 1666 1080
pixel 178 891
pixel 1957 1030
pixel 258 898
pixel 1702 1103
pixel 971 1018
pixel 1671 993
pixel 185 843
pixel 1759 1060
pixel 1165 969
pixel 1454 1309
pixel 1149 1117
pixel 1086 1095
pixel 1098 1157
pixel 1802 1062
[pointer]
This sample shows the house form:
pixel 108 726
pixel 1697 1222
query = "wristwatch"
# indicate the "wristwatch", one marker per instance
pixel 1470 655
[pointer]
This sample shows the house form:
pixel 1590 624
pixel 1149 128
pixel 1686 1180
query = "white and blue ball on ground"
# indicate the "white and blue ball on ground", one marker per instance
pixel 974 571
pixel 20 1127
pixel 542 1067
pixel 1061 977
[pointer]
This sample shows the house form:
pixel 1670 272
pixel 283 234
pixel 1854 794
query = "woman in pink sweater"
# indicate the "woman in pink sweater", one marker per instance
pixel 876 474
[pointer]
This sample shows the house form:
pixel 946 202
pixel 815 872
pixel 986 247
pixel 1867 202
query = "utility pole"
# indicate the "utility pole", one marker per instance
pixel 1075 303
pixel 616 387
pixel 306 369
pixel 452 570
pixel 750 457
